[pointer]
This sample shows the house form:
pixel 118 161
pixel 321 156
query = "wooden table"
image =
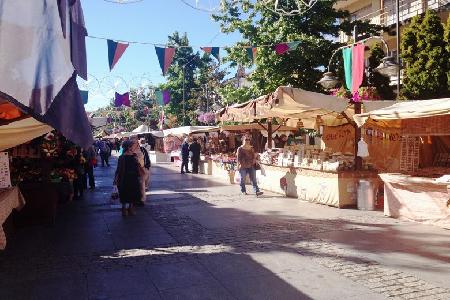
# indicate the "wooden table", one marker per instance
pixel 9 199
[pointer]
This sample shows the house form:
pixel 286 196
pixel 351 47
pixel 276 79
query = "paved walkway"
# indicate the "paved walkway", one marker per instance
pixel 200 239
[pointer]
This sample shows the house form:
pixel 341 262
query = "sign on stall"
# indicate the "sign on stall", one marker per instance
pixel 5 178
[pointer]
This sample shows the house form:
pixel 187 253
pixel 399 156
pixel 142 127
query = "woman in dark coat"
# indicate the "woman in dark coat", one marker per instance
pixel 127 178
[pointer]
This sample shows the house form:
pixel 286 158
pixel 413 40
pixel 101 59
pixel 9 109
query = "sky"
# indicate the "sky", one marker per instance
pixel 146 21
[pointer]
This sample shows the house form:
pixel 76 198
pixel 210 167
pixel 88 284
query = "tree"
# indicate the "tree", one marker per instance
pixel 375 79
pixel 181 74
pixel 447 47
pixel 259 25
pixel 202 76
pixel 425 58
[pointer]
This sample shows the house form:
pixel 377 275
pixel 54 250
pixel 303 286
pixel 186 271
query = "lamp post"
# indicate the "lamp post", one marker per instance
pixel 397 25
pixel 328 81
pixel 184 95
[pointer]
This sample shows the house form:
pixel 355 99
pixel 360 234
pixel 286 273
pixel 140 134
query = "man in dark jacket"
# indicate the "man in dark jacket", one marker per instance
pixel 185 156
pixel 195 149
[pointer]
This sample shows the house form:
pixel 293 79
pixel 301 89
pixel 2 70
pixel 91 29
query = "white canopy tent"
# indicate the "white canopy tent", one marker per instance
pixel 407 110
pixel 21 131
pixel 187 130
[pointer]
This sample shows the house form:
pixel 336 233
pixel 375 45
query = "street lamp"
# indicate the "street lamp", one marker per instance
pixel 328 81
pixel 387 67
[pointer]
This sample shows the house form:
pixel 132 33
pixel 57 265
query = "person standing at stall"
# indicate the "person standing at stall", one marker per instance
pixel 195 148
pixel 185 156
pixel 127 177
pixel 246 162
pixel 91 162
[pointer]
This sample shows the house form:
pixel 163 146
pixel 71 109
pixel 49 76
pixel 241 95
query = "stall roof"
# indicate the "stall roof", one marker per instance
pixel 186 130
pixel 98 121
pixel 242 127
pixel 141 129
pixel 21 131
pixel 407 110
pixel 297 104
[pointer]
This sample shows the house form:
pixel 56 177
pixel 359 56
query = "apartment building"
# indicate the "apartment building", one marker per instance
pixel 383 12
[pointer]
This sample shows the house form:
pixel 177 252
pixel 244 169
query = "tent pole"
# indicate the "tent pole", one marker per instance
pixel 269 133
pixel 358 160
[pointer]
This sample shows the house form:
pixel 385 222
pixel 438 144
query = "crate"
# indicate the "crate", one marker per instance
pixel 409 153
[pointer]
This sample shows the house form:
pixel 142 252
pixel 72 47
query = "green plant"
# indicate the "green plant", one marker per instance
pixel 425 58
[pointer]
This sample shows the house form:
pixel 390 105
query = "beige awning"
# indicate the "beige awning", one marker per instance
pixel 20 132
pixel 291 103
pixel 407 110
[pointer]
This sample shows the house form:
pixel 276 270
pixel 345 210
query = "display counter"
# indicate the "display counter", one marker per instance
pixel 205 166
pixel 417 199
pixel 9 199
pixel 337 189
pixel 158 157
pixel 219 171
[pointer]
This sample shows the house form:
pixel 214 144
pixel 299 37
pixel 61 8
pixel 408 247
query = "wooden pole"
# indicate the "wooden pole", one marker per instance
pixel 269 133
pixel 358 160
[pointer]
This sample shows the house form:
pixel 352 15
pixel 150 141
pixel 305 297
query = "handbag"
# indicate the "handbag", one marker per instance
pixel 257 166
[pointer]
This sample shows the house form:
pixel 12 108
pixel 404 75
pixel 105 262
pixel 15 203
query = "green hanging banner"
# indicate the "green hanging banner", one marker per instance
pixel 347 54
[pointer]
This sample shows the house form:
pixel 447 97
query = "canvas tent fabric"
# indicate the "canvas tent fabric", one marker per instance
pixel 186 130
pixel 142 129
pixel 37 71
pixel 407 110
pixel 21 131
pixel 36 66
pixel 290 103
pixel 98 121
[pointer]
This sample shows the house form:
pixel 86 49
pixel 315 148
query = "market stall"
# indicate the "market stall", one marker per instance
pixel 320 165
pixel 174 137
pixel 223 147
pixel 41 96
pixel 417 186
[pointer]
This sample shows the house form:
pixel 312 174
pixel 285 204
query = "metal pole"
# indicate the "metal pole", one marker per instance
pixel 397 9
pixel 184 96
pixel 207 98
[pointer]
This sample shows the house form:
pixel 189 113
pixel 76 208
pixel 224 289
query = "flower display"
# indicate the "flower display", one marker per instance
pixel 207 118
pixel 363 93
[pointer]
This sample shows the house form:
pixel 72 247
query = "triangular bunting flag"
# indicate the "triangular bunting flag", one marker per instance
pixel 159 97
pixel 115 51
pixel 214 51
pixel 123 99
pixel 162 97
pixel 285 47
pixel 251 53
pixel 165 57
pixel 84 96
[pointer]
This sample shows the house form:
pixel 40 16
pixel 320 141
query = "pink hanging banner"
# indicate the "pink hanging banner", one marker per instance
pixel 357 66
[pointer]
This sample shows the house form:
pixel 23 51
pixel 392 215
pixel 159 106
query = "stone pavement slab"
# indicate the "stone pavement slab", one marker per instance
pixel 198 238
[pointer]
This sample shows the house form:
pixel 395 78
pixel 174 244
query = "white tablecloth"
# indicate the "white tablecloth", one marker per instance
pixel 416 198
pixel 9 199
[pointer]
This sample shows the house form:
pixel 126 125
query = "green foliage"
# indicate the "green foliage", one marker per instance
pixel 200 74
pixel 375 79
pixel 259 25
pixel 425 58
pixel 231 94
pixel 447 47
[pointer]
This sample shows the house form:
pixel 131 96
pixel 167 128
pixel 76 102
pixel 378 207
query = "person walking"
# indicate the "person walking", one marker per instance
pixel 127 177
pixel 91 162
pixel 246 161
pixel 104 153
pixel 185 156
pixel 144 162
pixel 195 148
